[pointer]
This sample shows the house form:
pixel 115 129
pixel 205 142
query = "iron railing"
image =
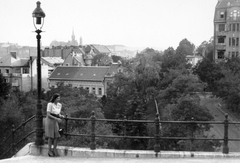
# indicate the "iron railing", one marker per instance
pixel 157 137
pixel 15 141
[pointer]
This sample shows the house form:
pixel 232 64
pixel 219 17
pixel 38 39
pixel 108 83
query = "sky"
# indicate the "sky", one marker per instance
pixel 155 24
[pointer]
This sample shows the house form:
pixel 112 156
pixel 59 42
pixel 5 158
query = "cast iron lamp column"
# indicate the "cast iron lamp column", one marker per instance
pixel 38 15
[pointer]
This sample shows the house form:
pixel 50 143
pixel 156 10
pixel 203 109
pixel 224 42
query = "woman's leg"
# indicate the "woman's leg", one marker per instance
pixel 50 153
pixel 55 146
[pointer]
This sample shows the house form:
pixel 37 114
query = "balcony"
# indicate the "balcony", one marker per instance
pixel 11 74
pixel 221 46
pixel 220 20
pixel 16 74
pixel 15 84
pixel 5 74
pixel 222 33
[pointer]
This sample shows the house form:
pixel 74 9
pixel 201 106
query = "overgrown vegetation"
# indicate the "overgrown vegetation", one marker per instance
pixel 151 75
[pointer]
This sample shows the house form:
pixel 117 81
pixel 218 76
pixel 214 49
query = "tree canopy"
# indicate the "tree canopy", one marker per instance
pixel 4 87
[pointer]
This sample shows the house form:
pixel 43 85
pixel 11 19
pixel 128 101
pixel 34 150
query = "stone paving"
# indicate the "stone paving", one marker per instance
pixel 33 154
pixel 44 159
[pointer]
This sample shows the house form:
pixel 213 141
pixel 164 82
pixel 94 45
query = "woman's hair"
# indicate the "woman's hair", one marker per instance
pixel 54 97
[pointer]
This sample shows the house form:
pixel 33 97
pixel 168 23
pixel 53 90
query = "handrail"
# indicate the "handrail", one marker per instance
pixel 157 136
pixel 15 144
pixel 14 130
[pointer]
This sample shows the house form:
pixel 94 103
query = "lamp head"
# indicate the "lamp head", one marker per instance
pixel 38 15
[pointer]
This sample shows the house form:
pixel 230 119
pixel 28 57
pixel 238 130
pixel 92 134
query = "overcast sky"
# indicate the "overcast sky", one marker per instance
pixel 133 23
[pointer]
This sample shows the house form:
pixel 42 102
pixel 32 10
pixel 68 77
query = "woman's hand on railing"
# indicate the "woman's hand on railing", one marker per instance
pixel 59 120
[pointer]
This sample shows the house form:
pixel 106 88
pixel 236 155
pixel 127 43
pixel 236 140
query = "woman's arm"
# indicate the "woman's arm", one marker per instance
pixel 60 115
pixel 53 117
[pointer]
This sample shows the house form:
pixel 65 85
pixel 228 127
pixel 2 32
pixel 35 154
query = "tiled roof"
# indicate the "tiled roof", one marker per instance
pixel 53 60
pixel 24 62
pixel 78 50
pixel 113 69
pixel 79 58
pixel 79 73
pixel 224 3
pixel 101 48
pixel 10 61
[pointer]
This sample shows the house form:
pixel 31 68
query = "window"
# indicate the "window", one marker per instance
pixel 230 27
pixel 222 14
pixel 237 41
pixel 18 71
pixel 237 53
pixel 99 91
pixel 234 14
pixel 7 70
pixel 220 40
pixel 94 90
pixel 87 88
pixel 233 54
pixel 220 54
pixel 229 54
pixel 230 41
pixel 237 26
pixel 233 27
pixel 233 41
pixel 0 71
pixel 221 27
pixel 25 70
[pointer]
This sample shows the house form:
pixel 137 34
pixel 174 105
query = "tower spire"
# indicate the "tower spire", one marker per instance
pixel 73 36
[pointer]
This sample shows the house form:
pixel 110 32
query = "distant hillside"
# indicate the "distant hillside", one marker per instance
pixel 22 51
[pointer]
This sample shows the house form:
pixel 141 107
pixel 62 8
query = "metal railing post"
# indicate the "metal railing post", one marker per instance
pixel 192 134
pixel 12 140
pixel 23 125
pixel 157 135
pixel 93 143
pixel 125 132
pixel 66 126
pixel 225 143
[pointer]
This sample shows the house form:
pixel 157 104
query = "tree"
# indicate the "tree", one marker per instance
pixel 116 58
pixel 228 86
pixel 181 86
pixel 206 49
pixel 209 72
pixel 187 109
pixel 4 88
pixel 173 60
pixel 185 48
pixel 79 103
pixel 101 60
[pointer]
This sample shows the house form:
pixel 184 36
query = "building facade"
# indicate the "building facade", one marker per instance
pixel 193 59
pixel 226 29
pixel 21 73
pixel 94 79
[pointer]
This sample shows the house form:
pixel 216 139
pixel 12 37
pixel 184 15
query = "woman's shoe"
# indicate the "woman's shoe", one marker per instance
pixel 56 153
pixel 51 154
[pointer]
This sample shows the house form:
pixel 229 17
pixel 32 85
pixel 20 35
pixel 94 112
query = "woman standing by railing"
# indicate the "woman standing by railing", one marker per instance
pixel 51 124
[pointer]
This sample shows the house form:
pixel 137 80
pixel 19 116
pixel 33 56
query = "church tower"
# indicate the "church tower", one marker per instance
pixel 73 36
pixel 80 41
pixel 73 41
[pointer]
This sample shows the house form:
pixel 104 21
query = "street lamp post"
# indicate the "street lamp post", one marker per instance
pixel 38 21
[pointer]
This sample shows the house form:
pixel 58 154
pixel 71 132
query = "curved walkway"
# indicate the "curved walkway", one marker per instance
pixel 42 159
